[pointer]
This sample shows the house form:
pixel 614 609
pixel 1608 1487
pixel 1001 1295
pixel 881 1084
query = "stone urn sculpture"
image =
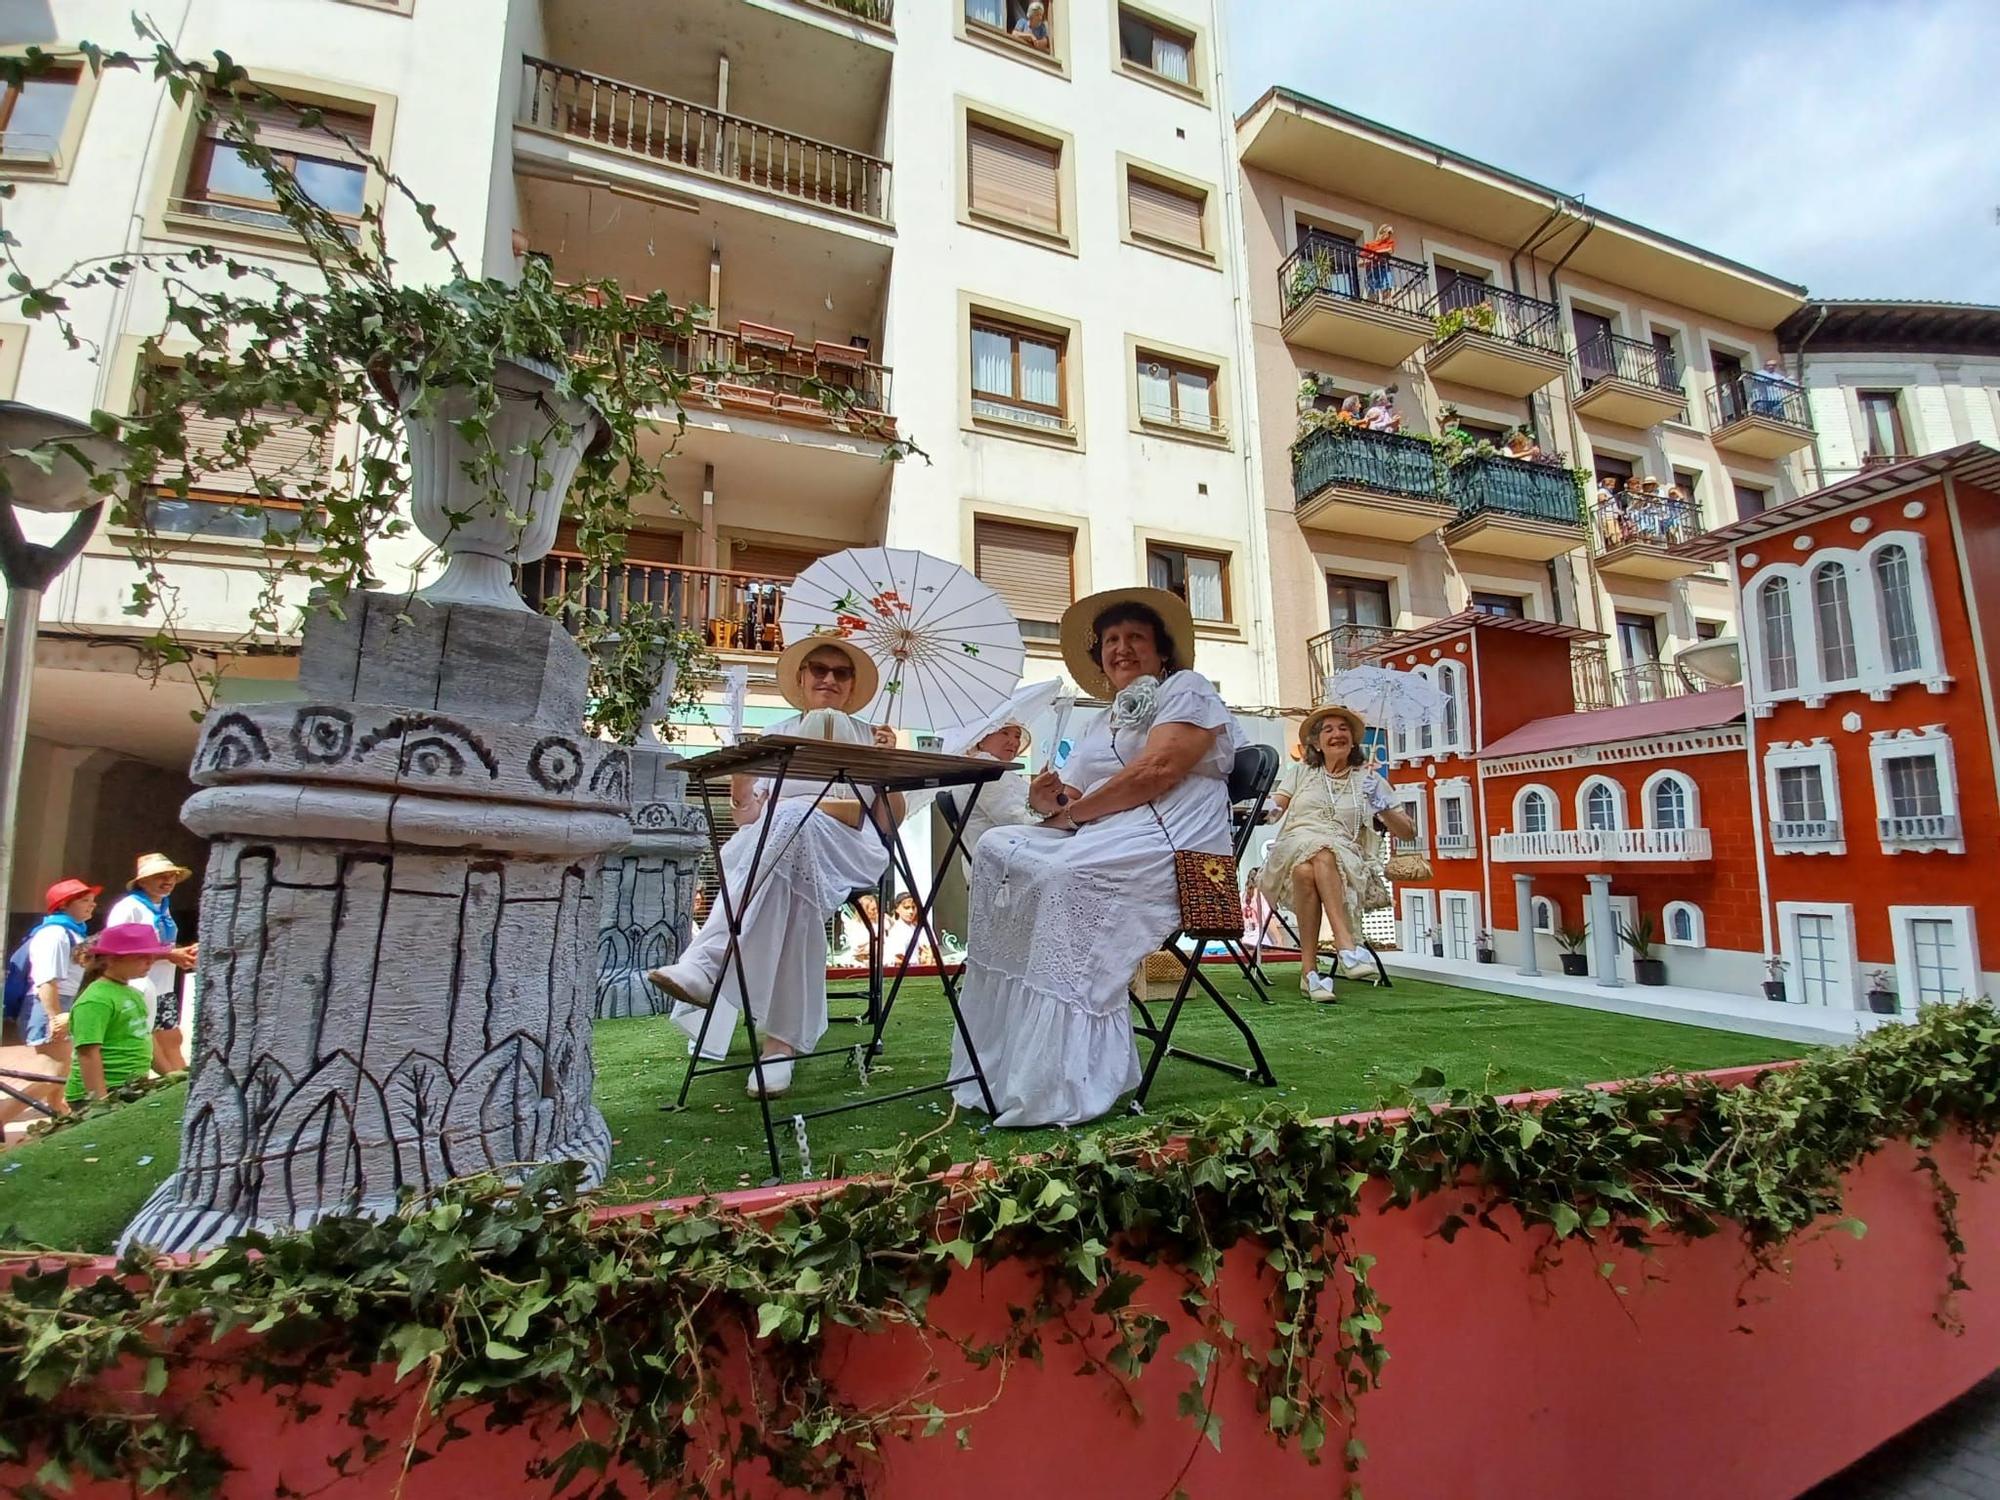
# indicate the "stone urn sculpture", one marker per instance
pixel 486 524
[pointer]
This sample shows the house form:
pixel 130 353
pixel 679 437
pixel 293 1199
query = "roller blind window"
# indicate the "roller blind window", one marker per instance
pixel 1172 216
pixel 1030 568
pixel 1012 178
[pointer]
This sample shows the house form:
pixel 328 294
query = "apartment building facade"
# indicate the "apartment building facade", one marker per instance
pixel 1011 244
pixel 1502 305
pixel 1889 380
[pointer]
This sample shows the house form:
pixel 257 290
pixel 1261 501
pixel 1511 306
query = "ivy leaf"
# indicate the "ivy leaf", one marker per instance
pixel 1566 1220
pixel 414 1343
pixel 498 1349
pixel 1531 1130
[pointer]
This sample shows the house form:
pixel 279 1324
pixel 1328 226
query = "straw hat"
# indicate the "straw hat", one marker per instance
pixel 130 940
pixel 1079 632
pixel 157 864
pixel 1309 726
pixel 866 677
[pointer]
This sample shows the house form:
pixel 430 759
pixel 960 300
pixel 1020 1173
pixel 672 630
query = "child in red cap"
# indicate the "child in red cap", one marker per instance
pixel 111 1024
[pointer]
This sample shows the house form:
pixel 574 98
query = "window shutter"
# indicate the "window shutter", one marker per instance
pixel 290 454
pixel 278 129
pixel 1164 213
pixel 769 561
pixel 1029 567
pixel 1013 179
pixel 640 546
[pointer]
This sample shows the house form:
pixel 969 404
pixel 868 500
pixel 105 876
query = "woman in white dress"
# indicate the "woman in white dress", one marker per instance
pixel 1324 856
pixel 1063 919
pixel 813 856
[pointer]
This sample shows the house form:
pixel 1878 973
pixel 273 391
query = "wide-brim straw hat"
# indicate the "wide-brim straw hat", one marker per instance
pixel 867 677
pixel 157 864
pixel 1309 726
pixel 1079 632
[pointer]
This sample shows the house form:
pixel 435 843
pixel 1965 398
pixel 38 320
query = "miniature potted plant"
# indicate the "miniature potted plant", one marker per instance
pixel 1571 939
pixel 1774 979
pixel 1882 992
pixel 1640 935
pixel 1437 942
pixel 1482 942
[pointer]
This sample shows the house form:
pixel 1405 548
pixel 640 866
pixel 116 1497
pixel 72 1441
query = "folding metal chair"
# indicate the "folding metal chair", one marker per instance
pixel 1250 781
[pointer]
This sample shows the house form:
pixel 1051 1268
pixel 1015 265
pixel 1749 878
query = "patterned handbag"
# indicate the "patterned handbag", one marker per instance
pixel 1211 904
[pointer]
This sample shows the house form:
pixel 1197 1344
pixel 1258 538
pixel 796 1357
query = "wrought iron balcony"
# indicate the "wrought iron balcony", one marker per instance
pixel 1475 307
pixel 1681 844
pixel 1611 356
pixel 1359 458
pixel 1327 266
pixel 694 138
pixel 1346 646
pixel 1595 683
pixel 1760 414
pixel 1805 833
pixel 1659 522
pixel 1516 508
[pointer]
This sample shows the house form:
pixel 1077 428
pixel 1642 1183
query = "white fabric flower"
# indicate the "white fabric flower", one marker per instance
pixel 1133 708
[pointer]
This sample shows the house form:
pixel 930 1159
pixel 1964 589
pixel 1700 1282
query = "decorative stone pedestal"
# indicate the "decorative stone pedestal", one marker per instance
pixel 397 923
pixel 648 899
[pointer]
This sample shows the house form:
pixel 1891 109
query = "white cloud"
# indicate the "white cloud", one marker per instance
pixel 1849 146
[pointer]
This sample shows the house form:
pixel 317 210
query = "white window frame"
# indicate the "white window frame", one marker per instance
pixel 1411 799
pixel 1618 810
pixel 1547 794
pixel 1817 753
pixel 1698 925
pixel 1885 745
pixel 1690 798
pixel 1547 914
pixel 1455 789
pixel 1903 944
pixel 1451 679
pixel 1865 619
pixel 1848 975
pixel 1415 939
pixel 1469 902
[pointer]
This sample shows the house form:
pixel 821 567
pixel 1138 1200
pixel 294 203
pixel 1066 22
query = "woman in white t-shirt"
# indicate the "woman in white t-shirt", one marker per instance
pixel 145 900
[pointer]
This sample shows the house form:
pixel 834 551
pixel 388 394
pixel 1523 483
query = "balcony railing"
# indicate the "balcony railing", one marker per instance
pixel 1595 683
pixel 585 107
pixel 1419 846
pixel 1919 828
pixel 881 12
pixel 1493 484
pixel 1454 845
pixel 1324 266
pixel 1469 306
pixel 1603 843
pixel 1659 522
pixel 1805 832
pixel 1346 646
pixel 1755 394
pixel 732 611
pixel 1362 458
pixel 725 367
pixel 1611 356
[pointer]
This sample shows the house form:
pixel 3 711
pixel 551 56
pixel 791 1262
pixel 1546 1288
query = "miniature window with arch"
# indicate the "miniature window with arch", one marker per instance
pixel 1537 811
pixel 1684 924
pixel 1600 807
pixel 1547 918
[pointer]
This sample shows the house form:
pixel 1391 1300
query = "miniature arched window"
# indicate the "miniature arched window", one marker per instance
pixel 1684 924
pixel 1450 679
pixel 1667 803
pixel 1601 806
pixel 1537 812
pixel 1901 642
pixel 1781 652
pixel 1547 918
pixel 1835 624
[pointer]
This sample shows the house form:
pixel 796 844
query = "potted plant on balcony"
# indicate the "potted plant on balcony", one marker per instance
pixel 1482 943
pixel 1774 978
pixel 1882 992
pixel 1479 317
pixel 1572 938
pixel 1641 935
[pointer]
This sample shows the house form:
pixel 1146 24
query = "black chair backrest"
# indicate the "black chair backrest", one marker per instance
pixel 948 805
pixel 1251 780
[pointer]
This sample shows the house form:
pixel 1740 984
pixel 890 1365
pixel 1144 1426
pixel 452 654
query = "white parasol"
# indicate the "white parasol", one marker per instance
pixel 1386 698
pixel 949 649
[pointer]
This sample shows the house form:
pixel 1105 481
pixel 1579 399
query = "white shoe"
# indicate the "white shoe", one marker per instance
pixel 1318 987
pixel 1357 961
pixel 777 1079
pixel 682 985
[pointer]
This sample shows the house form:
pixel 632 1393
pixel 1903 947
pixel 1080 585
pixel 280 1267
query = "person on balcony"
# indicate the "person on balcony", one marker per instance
pixel 1768 389
pixel 1350 413
pixel 816 849
pixel 1033 26
pixel 1324 858
pixel 1382 415
pixel 1066 917
pixel 1521 444
pixel 1376 271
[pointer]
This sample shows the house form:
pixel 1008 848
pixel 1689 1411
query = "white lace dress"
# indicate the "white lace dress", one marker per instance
pixel 1334 813
pixel 1060 922
pixel 811 863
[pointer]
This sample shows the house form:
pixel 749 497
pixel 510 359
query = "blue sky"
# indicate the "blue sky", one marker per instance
pixel 1852 145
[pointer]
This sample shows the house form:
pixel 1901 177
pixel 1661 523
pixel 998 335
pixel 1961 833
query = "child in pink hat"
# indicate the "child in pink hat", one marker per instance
pixel 111 1023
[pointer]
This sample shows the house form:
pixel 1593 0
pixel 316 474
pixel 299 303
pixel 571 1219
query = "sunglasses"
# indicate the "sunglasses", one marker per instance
pixel 833 671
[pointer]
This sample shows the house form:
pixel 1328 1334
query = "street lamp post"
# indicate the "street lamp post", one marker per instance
pixel 46 463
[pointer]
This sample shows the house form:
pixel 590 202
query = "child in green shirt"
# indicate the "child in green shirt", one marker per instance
pixel 111 1021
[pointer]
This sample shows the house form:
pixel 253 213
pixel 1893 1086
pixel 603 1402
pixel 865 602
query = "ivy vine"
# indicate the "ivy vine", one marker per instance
pixel 504 1302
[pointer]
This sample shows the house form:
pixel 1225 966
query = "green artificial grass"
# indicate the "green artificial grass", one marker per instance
pixel 78 1187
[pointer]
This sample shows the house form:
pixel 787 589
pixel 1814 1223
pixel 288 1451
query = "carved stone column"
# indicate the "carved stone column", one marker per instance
pixel 647 907
pixel 397 923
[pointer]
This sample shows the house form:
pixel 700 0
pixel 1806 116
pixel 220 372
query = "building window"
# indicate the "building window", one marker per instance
pixel 1166 213
pixel 1018 374
pixel 1454 818
pixel 1708 630
pixel 1901 642
pixel 1834 623
pixel 1803 798
pixel 1820 958
pixel 1176 393
pixel 1781 651
pixel 1013 178
pixel 1667 804
pixel 1032 569
pixel 1638 639
pixel 1513 606
pixel 1688 482
pixel 1450 679
pixel 1158 49
pixel 1801 794
pixel 1201 578
pixel 1751 501
pixel 1882 426
pixel 224 186
pixel 1685 925
pixel 1547 917
pixel 1026 23
pixel 1937 959
pixel 1934 960
pixel 1536 814
pixel 1356 601
pixel 1666 359
pixel 212 496
pixel 1600 806
pixel 34 116
pixel 1913 786
pixel 1916 792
